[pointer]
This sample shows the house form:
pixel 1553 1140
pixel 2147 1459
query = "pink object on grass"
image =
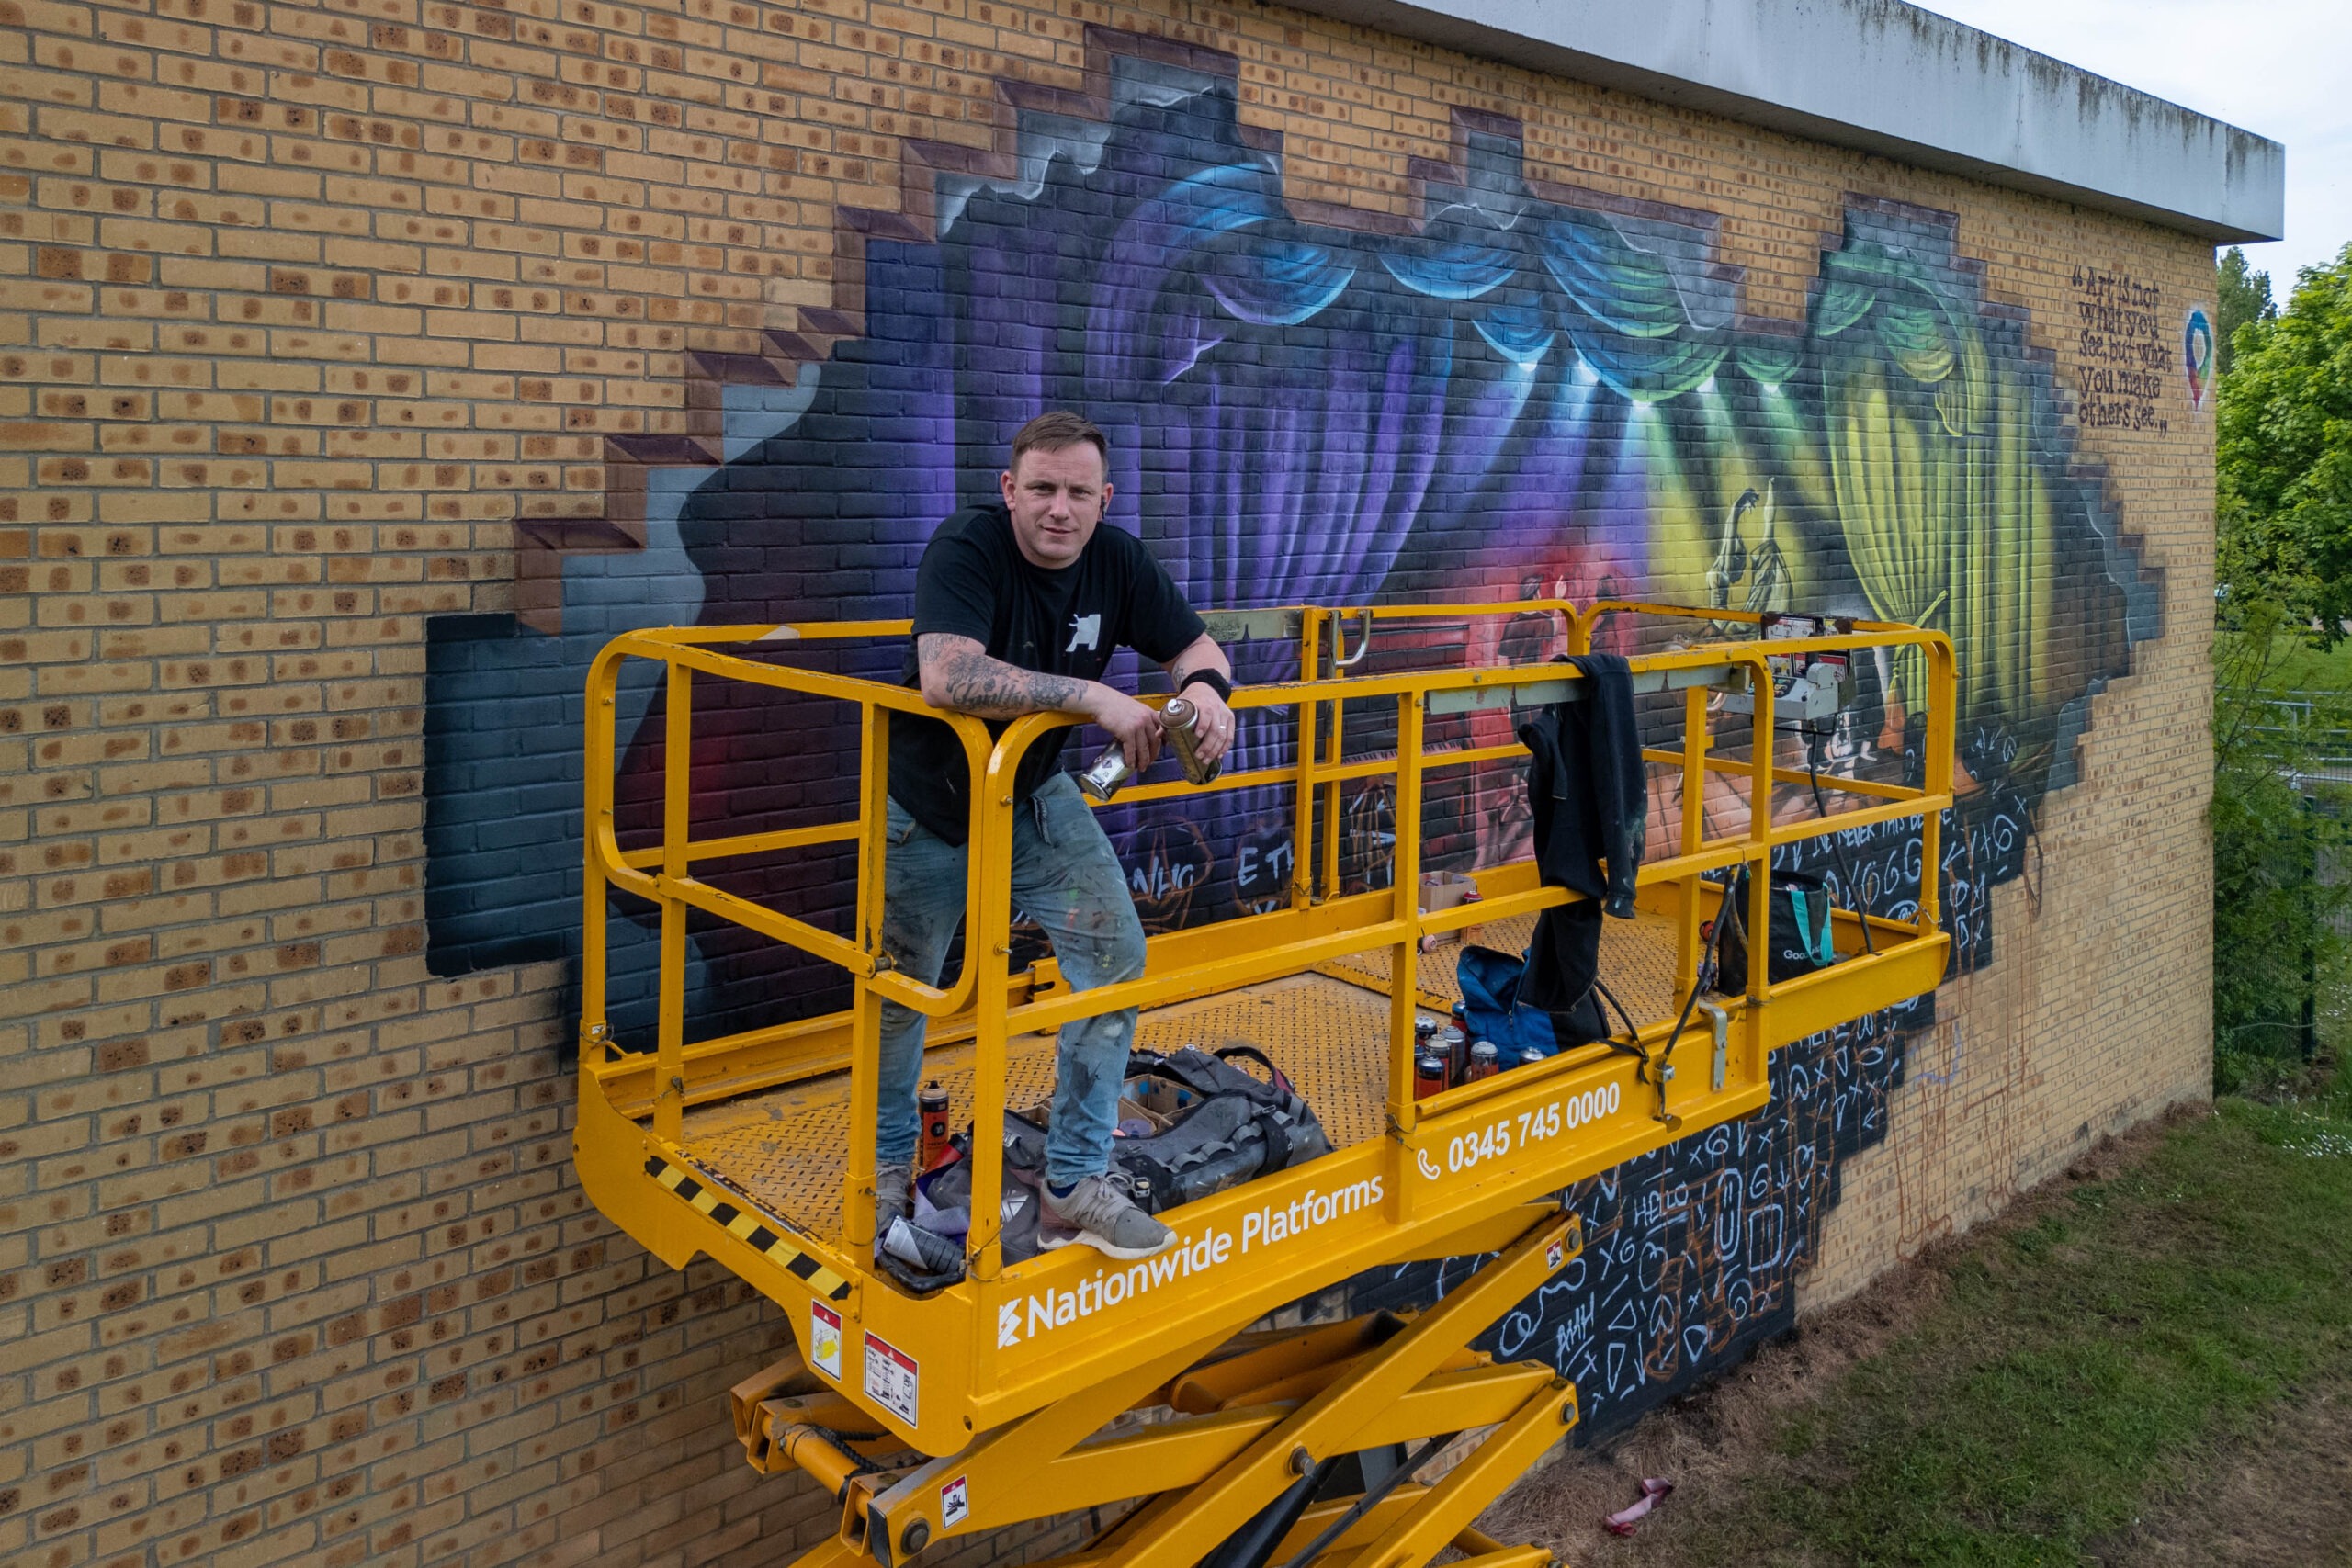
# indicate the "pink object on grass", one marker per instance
pixel 1654 1491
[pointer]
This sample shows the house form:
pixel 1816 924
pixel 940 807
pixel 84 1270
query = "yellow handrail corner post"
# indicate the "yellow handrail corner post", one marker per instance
pixel 1304 863
pixel 990 859
pixel 1334 822
pixel 677 780
pixel 596 830
pixel 1942 722
pixel 858 1194
pixel 1404 989
pixel 986 980
pixel 1762 761
pixel 1695 744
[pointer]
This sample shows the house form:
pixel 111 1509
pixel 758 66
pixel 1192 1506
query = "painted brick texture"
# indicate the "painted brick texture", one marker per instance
pixel 324 326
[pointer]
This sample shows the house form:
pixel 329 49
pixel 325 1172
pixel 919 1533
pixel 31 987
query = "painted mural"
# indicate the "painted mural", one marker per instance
pixel 1534 388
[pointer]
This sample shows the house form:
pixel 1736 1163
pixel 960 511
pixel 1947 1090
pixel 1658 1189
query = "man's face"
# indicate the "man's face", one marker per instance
pixel 1055 497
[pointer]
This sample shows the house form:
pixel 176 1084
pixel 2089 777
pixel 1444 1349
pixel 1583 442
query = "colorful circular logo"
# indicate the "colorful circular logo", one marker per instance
pixel 2197 356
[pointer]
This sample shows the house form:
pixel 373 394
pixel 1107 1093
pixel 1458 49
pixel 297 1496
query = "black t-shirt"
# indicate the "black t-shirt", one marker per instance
pixel 975 583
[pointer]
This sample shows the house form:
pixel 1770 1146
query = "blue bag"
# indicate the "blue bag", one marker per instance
pixel 1490 982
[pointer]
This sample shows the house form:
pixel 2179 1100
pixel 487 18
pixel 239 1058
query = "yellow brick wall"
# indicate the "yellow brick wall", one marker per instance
pixel 306 311
pixel 2096 1011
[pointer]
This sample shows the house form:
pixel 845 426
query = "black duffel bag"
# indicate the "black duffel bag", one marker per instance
pixel 1233 1126
pixel 1236 1126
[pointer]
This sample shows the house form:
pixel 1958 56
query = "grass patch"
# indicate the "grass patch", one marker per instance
pixel 2308 669
pixel 2077 1361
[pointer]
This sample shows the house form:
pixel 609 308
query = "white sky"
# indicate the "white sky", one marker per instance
pixel 2282 69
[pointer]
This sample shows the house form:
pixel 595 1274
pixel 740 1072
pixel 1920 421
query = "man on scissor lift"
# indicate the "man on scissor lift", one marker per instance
pixel 1018 608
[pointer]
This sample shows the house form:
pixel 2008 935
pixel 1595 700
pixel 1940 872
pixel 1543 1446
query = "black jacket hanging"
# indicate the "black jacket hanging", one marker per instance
pixel 1590 798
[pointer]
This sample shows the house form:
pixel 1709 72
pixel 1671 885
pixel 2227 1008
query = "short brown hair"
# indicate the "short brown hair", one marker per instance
pixel 1058 428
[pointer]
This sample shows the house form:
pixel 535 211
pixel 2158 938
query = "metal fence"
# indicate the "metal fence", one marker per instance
pixel 2307 739
pixel 2314 729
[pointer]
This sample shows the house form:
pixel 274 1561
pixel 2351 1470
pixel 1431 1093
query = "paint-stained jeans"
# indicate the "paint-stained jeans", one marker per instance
pixel 1065 878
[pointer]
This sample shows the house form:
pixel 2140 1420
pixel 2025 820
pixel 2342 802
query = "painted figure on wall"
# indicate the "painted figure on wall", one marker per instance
pixel 1537 390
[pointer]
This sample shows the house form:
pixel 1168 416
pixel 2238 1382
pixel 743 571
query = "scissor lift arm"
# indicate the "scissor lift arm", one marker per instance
pixel 1293 1447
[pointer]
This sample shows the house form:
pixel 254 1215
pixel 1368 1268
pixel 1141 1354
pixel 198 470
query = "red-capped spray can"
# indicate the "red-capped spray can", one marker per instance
pixel 1431 1074
pixel 932 1104
pixel 1455 1046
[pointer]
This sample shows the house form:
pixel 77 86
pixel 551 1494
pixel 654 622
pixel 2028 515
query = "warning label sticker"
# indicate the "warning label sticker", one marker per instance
pixel 892 1378
pixel 954 1502
pixel 825 1339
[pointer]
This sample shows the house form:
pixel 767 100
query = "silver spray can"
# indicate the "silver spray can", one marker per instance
pixel 1101 781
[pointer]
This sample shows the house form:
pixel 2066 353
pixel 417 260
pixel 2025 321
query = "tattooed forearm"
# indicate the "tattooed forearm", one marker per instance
pixel 1201 653
pixel 957 675
pixel 988 688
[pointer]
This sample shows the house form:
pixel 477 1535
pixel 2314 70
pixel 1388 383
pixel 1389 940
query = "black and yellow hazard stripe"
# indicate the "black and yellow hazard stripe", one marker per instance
pixel 747 1228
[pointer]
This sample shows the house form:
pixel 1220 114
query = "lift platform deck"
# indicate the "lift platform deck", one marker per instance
pixel 786 1148
pixel 999 1398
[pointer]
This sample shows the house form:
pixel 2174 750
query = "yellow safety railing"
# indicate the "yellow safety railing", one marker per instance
pixel 991 1004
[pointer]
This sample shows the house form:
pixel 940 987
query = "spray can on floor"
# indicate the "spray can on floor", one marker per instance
pixel 1431 1074
pixel 1453 1045
pixel 932 1106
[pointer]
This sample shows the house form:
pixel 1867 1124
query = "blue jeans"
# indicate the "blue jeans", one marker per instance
pixel 1067 880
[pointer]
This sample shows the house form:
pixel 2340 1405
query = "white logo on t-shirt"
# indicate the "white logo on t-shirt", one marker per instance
pixel 1083 630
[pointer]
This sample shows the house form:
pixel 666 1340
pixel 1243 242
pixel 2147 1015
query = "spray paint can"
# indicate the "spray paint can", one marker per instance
pixel 1485 1061
pixel 1431 1074
pixel 1455 1046
pixel 1180 727
pixel 1101 781
pixel 932 1105
pixel 1179 723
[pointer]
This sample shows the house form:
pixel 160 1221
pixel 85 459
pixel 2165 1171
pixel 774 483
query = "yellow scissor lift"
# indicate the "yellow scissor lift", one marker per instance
pixel 1069 1382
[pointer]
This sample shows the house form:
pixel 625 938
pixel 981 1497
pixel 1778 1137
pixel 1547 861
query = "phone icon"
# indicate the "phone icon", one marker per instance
pixel 1429 1166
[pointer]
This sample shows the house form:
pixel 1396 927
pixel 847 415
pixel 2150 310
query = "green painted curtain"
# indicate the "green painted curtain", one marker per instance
pixel 1893 483
pixel 1945 512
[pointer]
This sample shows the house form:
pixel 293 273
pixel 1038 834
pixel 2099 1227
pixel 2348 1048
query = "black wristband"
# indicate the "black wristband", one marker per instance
pixel 1213 680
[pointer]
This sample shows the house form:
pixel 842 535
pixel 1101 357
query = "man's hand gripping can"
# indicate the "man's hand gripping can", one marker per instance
pixel 1180 727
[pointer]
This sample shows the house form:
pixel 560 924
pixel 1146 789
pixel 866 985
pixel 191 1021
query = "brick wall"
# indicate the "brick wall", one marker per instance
pixel 319 322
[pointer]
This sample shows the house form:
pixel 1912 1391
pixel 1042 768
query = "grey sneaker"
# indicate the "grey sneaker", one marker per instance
pixel 894 1195
pixel 1099 1214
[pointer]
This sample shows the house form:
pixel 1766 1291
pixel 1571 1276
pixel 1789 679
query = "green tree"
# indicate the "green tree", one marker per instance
pixel 2283 455
pixel 2241 295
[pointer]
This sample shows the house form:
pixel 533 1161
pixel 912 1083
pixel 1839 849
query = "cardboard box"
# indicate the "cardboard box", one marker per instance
pixel 1444 890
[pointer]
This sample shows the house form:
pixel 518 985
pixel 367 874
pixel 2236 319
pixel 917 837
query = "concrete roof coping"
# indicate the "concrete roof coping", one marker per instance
pixel 1889 78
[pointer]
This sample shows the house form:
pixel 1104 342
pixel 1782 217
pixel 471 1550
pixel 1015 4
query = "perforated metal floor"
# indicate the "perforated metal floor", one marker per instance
pixel 1636 962
pixel 785 1148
